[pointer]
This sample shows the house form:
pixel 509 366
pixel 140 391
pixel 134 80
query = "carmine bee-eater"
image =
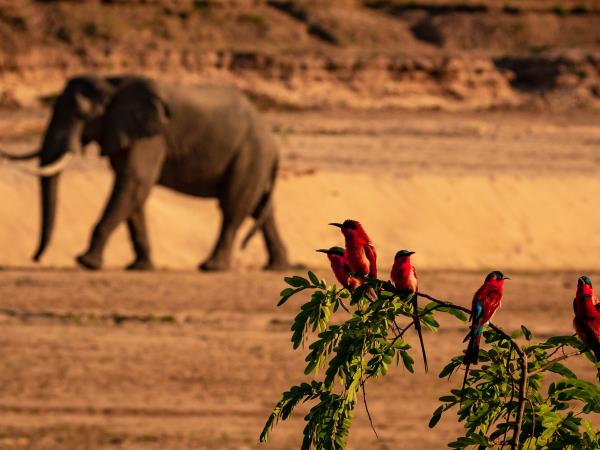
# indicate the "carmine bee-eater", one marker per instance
pixel 337 258
pixel 360 253
pixel 486 302
pixel 587 321
pixel 584 286
pixel 404 277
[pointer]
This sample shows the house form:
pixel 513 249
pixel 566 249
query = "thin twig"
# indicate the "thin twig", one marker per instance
pixel 343 305
pixel 512 395
pixel 364 391
pixel 401 331
pixel 556 350
pixel 522 397
pixel 555 360
pixel 412 322
pixel 532 421
pixel 397 326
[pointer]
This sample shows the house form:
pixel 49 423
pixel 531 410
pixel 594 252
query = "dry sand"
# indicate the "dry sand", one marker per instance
pixel 515 191
pixel 176 359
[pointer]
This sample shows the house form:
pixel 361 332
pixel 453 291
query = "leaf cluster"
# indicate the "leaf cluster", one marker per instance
pixel 505 383
pixel 506 401
pixel 361 345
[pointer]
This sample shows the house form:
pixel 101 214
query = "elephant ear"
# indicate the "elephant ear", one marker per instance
pixel 135 112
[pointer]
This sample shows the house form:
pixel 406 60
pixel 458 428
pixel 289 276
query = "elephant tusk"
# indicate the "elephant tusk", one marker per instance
pixel 23 157
pixel 50 169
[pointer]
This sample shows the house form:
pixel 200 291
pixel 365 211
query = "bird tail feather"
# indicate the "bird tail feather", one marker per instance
pixel 471 357
pixel 472 353
pixel 419 330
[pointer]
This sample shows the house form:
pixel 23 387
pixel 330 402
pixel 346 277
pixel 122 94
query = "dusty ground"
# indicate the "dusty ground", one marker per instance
pixel 182 360
pixel 177 359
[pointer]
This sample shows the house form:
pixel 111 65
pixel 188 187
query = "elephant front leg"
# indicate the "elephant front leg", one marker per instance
pixel 139 239
pixel 135 173
pixel 127 194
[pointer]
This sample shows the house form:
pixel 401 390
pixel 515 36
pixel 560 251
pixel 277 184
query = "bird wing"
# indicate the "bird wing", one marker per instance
pixel 595 329
pixel 476 305
pixel 346 267
pixel 372 257
pixel 414 271
pixel 486 301
pixel 394 273
pixel 588 331
pixel 489 301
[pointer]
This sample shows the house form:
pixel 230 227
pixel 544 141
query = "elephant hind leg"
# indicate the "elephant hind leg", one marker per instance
pixel 278 259
pixel 220 259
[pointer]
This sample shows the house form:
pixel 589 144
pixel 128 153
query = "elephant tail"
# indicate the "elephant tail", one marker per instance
pixel 264 207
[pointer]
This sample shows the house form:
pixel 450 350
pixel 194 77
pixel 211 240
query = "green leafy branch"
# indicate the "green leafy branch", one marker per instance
pixel 505 393
pixel 501 405
pixel 361 347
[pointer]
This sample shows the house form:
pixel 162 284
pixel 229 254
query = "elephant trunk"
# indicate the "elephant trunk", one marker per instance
pixel 61 141
pixel 49 192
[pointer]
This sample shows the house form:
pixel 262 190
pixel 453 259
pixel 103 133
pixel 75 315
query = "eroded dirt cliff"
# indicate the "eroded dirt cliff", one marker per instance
pixel 315 54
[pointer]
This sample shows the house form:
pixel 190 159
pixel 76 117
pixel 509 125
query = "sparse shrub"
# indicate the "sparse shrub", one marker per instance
pixel 201 5
pixel 17 22
pixel 560 10
pixel 63 34
pixel 256 20
pixel 103 29
pixel 538 50
pixel 90 29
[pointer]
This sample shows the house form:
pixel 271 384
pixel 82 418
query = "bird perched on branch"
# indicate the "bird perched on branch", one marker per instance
pixel 337 258
pixel 360 253
pixel 404 277
pixel 584 286
pixel 486 302
pixel 587 320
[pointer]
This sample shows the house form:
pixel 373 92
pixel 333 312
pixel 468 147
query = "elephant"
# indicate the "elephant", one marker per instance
pixel 206 142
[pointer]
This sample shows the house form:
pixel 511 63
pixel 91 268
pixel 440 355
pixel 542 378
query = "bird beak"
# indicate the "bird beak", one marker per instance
pixel 339 225
pixel 506 278
pixel 322 250
pixel 411 253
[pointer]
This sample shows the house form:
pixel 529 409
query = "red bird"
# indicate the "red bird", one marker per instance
pixel 404 277
pixel 337 258
pixel 486 302
pixel 587 322
pixel 584 286
pixel 360 253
